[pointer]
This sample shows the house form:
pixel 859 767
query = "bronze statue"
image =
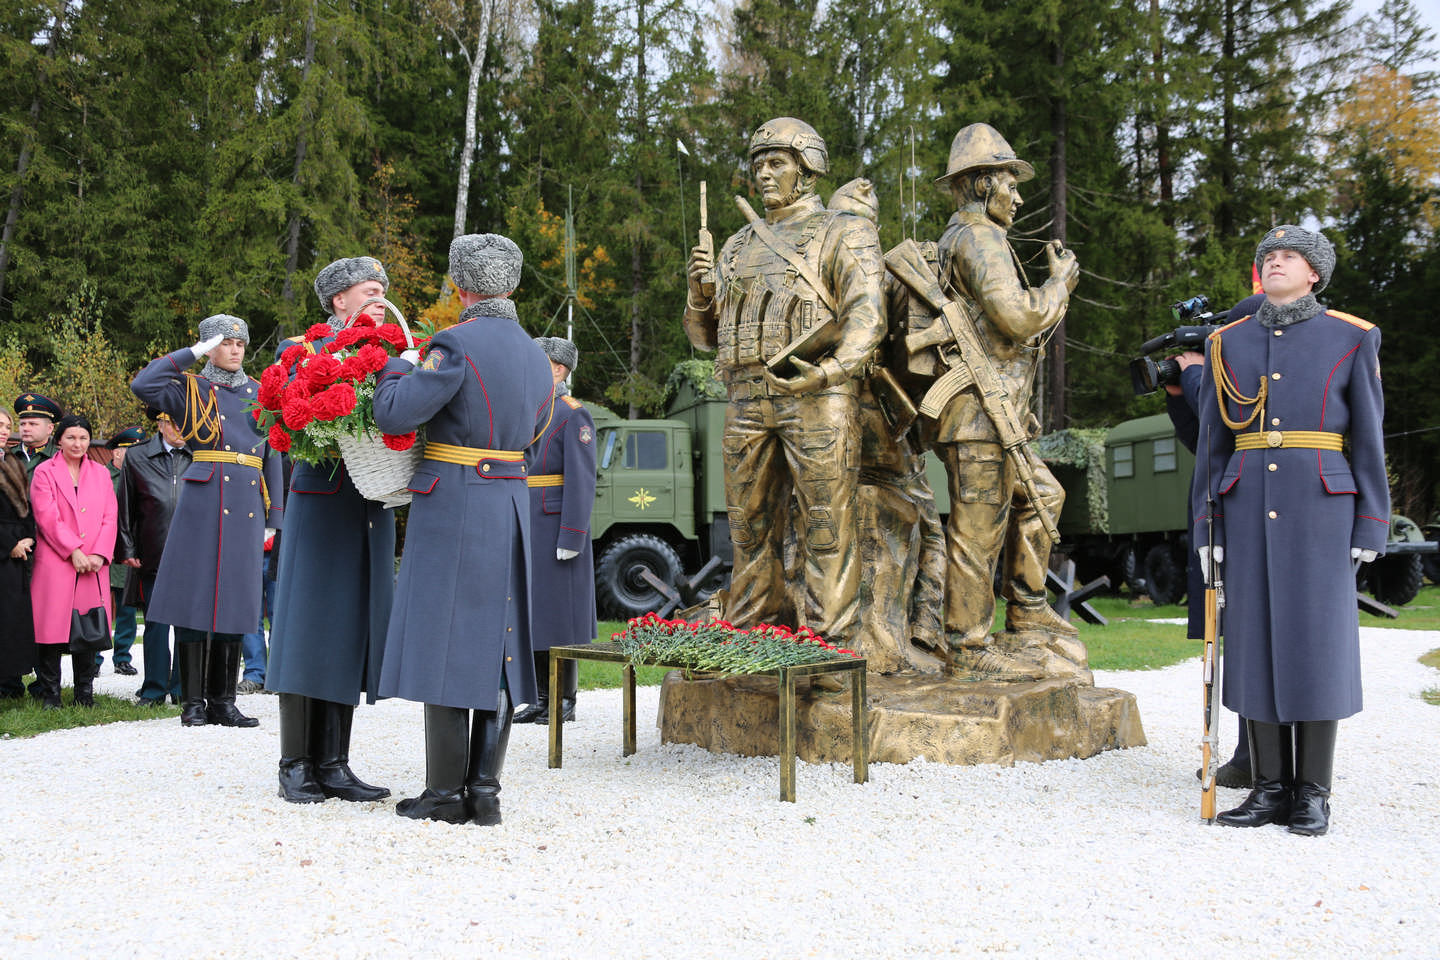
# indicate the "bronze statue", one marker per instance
pixel 795 317
pixel 985 350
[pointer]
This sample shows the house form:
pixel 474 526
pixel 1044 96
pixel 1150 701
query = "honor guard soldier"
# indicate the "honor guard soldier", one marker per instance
pixel 792 435
pixel 562 563
pixel 209 577
pixel 335 588
pixel 1286 393
pixel 459 637
pixel 35 418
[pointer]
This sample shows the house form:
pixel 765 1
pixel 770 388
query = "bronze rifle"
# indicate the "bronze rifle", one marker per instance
pixel 954 335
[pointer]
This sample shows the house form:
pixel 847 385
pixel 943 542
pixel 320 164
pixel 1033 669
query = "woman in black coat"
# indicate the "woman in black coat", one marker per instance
pixel 17 539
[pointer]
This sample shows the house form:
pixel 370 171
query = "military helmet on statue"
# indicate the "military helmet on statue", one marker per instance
pixel 787 133
pixel 980 147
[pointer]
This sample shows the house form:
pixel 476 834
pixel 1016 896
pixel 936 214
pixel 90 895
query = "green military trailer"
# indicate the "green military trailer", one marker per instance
pixel 1126 513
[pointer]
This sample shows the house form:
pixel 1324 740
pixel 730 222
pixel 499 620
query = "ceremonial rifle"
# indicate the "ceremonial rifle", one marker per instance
pixel 953 334
pixel 1214 603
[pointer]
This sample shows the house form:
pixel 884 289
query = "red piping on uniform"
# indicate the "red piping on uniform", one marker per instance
pixel 490 437
pixel 1325 398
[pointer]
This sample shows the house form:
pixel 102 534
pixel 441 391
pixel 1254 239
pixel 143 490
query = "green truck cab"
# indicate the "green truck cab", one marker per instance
pixel 659 501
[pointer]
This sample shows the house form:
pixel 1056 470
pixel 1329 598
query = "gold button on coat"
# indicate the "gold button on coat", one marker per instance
pixel 1273 514
pixel 1275 376
pixel 1273 467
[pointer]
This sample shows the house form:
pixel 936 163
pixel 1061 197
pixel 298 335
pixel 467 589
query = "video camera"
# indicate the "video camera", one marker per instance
pixel 1146 375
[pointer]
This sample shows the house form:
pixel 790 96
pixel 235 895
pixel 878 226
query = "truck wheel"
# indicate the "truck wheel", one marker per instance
pixel 1164 578
pixel 1122 568
pixel 1396 580
pixel 619 586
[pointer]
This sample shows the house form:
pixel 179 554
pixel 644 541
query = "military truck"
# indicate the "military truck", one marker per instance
pixel 660 498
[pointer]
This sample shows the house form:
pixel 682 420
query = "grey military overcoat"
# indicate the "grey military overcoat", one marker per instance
pixel 563 591
pixel 1288 517
pixel 461 619
pixel 209 576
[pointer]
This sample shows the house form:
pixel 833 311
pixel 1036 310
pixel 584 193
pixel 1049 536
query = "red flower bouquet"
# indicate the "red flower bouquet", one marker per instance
pixel 311 398
pixel 721 646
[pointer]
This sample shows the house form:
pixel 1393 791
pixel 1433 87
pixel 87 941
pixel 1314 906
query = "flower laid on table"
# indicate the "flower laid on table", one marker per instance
pixel 309 398
pixel 721 646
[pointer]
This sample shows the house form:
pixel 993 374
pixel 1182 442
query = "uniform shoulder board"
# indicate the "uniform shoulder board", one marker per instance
pixel 1235 323
pixel 1352 319
pixel 574 404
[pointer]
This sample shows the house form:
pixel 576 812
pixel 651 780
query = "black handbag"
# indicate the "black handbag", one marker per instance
pixel 90 631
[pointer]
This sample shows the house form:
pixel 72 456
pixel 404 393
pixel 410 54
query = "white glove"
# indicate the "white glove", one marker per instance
pixel 411 357
pixel 562 554
pixel 1364 556
pixel 205 346
pixel 1205 561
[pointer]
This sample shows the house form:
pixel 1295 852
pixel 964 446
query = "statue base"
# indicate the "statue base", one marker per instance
pixel 941 719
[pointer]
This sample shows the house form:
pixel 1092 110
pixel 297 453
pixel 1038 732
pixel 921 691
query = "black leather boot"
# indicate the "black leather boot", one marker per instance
pixel 297 765
pixel 1314 769
pixel 489 737
pixel 1272 759
pixel 569 687
pixel 47 675
pixel 332 755
pixel 84 669
pixel 220 683
pixel 191 655
pixel 447 749
pixel 539 711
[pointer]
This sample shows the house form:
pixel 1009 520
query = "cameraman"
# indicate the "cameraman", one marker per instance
pixel 1182 403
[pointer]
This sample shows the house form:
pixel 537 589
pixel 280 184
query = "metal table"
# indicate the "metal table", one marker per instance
pixel 607 653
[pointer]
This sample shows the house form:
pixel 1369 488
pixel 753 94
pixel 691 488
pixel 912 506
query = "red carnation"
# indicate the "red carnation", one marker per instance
pixel 318 332
pixel 321 370
pixel 373 358
pixel 363 321
pixel 292 355
pixel 345 338
pixel 402 442
pixel 297 412
pixel 335 402
pixel 272 385
pixel 353 369
pixel 394 336
pixel 279 439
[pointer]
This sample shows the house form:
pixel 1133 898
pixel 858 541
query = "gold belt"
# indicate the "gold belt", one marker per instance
pixel 1292 439
pixel 468 456
pixel 243 459
pixel 546 480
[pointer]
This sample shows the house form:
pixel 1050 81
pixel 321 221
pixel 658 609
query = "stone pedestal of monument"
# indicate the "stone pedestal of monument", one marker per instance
pixel 939 718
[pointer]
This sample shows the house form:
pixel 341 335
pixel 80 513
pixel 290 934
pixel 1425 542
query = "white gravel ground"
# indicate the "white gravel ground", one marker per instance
pixel 148 839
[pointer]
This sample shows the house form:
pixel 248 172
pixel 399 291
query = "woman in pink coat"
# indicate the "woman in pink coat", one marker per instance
pixel 74 505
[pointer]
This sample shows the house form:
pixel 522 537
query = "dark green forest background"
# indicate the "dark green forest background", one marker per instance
pixel 163 160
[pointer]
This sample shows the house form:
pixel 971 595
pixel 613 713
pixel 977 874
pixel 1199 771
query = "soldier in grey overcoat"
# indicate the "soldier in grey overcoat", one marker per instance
pixel 209 576
pixel 335 587
pixel 1285 393
pixel 459 636
pixel 562 561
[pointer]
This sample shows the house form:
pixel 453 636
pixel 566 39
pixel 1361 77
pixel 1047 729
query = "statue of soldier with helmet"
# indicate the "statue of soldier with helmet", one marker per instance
pixel 802 273
pixel 1003 499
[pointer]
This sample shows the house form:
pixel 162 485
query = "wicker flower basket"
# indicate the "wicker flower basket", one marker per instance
pixel 377 471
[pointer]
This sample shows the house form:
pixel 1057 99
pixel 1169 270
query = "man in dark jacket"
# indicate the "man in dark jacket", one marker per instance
pixel 1286 392
pixel 149 488
pixel 459 637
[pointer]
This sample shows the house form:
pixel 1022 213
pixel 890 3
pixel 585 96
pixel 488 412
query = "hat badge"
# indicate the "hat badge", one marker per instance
pixel 1279 234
